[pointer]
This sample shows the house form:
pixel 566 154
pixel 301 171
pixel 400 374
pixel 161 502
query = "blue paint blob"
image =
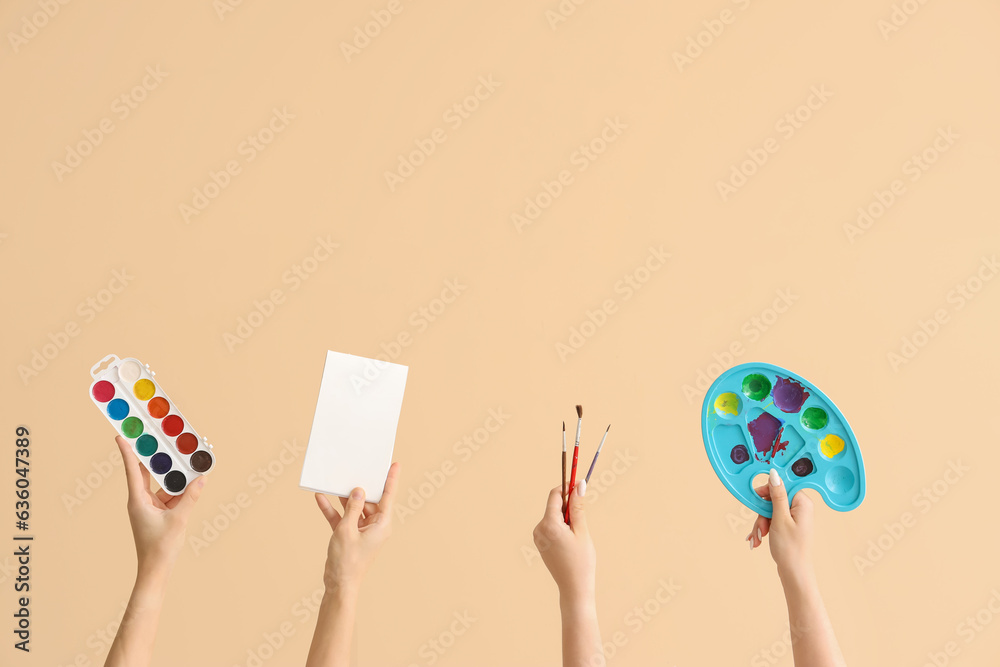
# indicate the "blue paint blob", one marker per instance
pixel 160 463
pixel 118 409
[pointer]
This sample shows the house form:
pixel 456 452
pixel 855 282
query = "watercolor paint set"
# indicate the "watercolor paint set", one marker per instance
pixel 130 398
pixel 758 416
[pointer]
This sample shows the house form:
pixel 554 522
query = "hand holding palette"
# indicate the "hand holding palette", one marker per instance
pixel 126 393
pixel 758 416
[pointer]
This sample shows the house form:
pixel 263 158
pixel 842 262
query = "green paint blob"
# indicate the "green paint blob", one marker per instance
pixel 146 445
pixel 814 418
pixel 132 427
pixel 756 387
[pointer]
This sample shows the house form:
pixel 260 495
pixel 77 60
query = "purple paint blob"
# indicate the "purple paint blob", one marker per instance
pixel 789 395
pixel 764 430
pixel 739 454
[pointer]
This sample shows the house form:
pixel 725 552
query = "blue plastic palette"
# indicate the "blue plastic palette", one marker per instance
pixel 758 416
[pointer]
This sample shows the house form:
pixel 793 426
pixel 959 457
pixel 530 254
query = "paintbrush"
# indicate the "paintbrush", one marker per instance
pixel 576 458
pixel 596 454
pixel 562 491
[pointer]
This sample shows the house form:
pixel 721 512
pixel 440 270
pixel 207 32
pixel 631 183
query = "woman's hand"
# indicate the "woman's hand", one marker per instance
pixel 158 519
pixel 358 534
pixel 790 528
pixel 567 550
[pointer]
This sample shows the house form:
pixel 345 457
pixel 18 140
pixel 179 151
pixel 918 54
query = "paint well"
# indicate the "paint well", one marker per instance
pixel 764 430
pixel 756 387
pixel 802 467
pixel 103 391
pixel 814 419
pixel 174 481
pixel 201 461
pixel 840 479
pixel 172 425
pixel 144 389
pixel 727 404
pixel 160 463
pixel 132 427
pixel 118 409
pixel 129 371
pixel 146 445
pixel 789 395
pixel 158 407
pixel 187 443
pixel 831 445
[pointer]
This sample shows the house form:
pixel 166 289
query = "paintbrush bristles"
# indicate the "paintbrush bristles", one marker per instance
pixel 564 436
pixel 579 411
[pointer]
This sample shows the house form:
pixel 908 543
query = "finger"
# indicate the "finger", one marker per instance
pixel 133 475
pixel 353 507
pixel 764 492
pixel 389 491
pixel 332 515
pixel 190 496
pixel 577 515
pixel 553 506
pixel 802 507
pixel 779 497
pixel 759 529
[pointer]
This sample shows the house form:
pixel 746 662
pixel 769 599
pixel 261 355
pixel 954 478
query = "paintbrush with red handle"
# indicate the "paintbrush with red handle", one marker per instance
pixel 576 458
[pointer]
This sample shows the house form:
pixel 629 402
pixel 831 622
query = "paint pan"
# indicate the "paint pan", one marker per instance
pixel 758 416
pixel 164 441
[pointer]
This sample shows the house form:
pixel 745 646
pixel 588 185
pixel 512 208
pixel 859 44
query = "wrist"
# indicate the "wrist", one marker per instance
pixel 578 602
pixel 343 590
pixel 798 581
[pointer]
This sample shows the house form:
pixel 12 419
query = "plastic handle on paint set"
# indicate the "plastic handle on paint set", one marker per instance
pixel 110 357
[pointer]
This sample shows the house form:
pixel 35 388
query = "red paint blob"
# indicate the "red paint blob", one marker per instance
pixel 158 407
pixel 172 425
pixel 104 391
pixel 186 442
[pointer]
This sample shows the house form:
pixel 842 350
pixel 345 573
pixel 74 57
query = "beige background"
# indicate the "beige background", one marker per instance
pixel 665 516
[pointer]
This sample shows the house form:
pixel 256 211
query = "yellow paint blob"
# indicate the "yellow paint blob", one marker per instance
pixel 728 404
pixel 831 445
pixel 144 390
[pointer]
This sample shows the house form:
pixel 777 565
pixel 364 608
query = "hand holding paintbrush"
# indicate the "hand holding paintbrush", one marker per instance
pixel 576 457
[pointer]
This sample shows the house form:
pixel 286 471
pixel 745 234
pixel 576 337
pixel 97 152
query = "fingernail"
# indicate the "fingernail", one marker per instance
pixel 773 478
pixel 358 494
pixel 581 488
pixel 751 545
pixel 760 538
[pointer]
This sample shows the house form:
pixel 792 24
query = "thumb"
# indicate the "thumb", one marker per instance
pixel 577 515
pixel 190 497
pixel 352 511
pixel 779 498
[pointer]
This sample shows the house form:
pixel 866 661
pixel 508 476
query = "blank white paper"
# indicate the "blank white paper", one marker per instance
pixel 354 428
